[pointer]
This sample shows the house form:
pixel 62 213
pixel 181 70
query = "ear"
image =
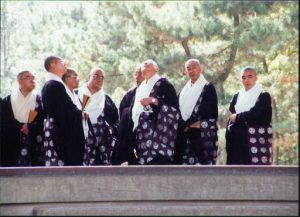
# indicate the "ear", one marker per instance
pixel 201 68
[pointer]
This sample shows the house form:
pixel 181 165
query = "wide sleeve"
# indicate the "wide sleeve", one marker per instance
pixel 111 112
pixel 260 114
pixel 56 101
pixel 166 94
pixel 209 109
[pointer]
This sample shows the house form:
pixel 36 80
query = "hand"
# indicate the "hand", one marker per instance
pixel 232 118
pixel 149 100
pixel 227 113
pixel 195 125
pixel 25 129
pixel 85 115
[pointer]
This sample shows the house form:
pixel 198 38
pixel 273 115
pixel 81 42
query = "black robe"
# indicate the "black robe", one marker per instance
pixel 68 132
pixel 13 141
pixel 101 142
pixel 122 150
pixel 165 93
pixel 236 138
pixel 202 148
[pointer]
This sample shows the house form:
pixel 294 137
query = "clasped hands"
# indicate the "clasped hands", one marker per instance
pixel 193 125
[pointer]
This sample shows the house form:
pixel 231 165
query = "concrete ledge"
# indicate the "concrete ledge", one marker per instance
pixel 150 190
pixel 188 208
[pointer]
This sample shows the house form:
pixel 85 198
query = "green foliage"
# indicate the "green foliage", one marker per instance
pixel 118 35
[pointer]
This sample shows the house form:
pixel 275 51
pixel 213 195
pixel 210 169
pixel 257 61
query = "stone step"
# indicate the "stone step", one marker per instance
pixel 150 190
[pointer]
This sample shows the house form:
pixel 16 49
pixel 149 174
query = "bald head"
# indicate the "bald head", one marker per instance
pixel 193 68
pixel 149 67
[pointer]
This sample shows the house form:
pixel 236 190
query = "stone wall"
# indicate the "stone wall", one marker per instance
pixel 150 190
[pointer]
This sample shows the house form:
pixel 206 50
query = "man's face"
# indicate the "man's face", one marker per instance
pixel 59 66
pixel 193 70
pixel 249 79
pixel 96 79
pixel 138 77
pixel 27 81
pixel 148 69
pixel 72 81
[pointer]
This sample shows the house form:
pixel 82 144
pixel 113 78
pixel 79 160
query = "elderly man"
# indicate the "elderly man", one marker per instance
pixel 103 115
pixel 122 150
pixel 70 78
pixel 249 130
pixel 197 134
pixel 64 138
pixel 21 125
pixel 154 117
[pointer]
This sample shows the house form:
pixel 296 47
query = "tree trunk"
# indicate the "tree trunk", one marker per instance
pixel 186 47
pixel 229 63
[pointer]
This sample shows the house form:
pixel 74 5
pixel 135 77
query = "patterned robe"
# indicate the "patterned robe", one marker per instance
pixel 102 138
pixel 249 123
pixel 17 149
pixel 64 138
pixel 157 129
pixel 199 145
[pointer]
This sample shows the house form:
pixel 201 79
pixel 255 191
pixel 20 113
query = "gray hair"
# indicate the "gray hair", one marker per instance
pixel 94 70
pixel 191 60
pixel 152 62
pixel 252 68
pixel 21 74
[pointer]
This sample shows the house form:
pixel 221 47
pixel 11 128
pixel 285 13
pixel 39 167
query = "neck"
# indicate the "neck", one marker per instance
pixel 194 80
pixel 70 88
pixel 150 76
pixel 24 92
pixel 92 89
pixel 57 73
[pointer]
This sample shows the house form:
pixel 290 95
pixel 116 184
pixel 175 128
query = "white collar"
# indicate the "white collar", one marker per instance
pixel 247 99
pixel 190 95
pixel 96 104
pixel 21 105
pixel 142 91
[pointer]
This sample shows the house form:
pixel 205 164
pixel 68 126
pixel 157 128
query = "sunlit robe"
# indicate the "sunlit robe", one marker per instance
pixel 237 135
pixel 199 145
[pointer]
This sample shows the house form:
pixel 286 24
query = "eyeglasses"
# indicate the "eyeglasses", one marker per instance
pixel 72 76
pixel 98 77
pixel 28 78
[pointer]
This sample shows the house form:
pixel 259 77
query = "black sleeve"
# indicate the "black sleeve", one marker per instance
pixel 8 120
pixel 111 112
pixel 232 103
pixel 260 114
pixel 167 94
pixel 56 101
pixel 127 100
pixel 209 108
pixel 10 134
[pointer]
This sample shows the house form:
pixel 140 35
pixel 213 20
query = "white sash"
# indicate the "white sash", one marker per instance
pixel 97 102
pixel 142 91
pixel 189 96
pixel 21 105
pixel 247 99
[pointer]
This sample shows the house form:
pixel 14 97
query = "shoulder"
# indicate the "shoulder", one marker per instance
pixel 53 86
pixel 210 87
pixel 131 91
pixel 53 83
pixel 164 82
pixel 234 97
pixel 265 96
pixel 108 99
pixel 6 100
